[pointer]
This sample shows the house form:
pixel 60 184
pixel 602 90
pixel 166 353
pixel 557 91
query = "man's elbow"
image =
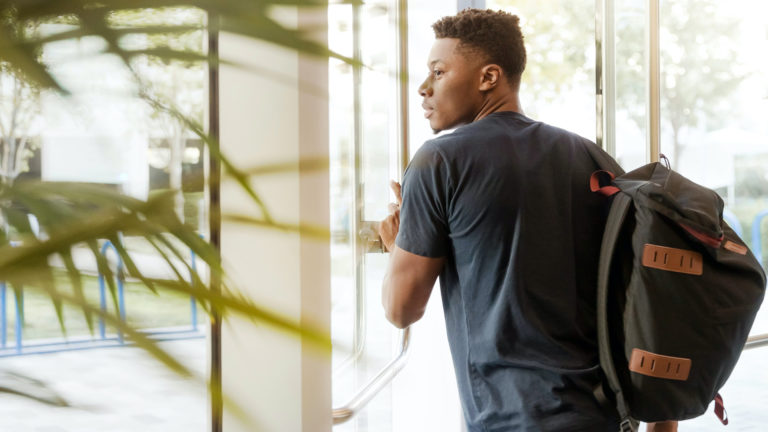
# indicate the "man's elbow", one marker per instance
pixel 402 318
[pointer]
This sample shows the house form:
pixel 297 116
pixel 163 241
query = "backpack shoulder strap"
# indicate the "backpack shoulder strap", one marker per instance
pixel 616 217
pixel 604 160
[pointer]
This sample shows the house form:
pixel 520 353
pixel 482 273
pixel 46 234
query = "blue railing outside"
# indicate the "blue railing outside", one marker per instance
pixel 104 339
pixel 120 290
pixel 757 236
pixel 19 302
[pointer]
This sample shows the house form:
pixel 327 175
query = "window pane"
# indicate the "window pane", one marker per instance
pixel 631 83
pixel 363 112
pixel 714 99
pixel 559 82
pixel 106 133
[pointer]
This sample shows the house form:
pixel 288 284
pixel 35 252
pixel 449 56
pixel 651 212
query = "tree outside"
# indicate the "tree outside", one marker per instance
pixel 169 85
pixel 19 113
pixel 700 68
pixel 559 38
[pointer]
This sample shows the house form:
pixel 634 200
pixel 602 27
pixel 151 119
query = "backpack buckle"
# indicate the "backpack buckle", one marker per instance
pixel 627 426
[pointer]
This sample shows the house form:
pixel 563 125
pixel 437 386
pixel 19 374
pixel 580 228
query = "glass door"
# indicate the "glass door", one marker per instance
pixel 365 141
pixel 712 99
pixel 558 84
pixel 107 133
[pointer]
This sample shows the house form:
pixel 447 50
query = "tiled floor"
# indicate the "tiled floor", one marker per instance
pixel 116 389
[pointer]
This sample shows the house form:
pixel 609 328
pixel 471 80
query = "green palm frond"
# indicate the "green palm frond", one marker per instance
pixel 30 388
pixel 93 18
pixel 83 216
pixel 72 214
pixel 240 177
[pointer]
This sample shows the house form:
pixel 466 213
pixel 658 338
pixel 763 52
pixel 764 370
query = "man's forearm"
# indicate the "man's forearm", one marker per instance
pixel 668 426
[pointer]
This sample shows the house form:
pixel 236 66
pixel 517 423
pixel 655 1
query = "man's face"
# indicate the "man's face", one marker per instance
pixel 451 91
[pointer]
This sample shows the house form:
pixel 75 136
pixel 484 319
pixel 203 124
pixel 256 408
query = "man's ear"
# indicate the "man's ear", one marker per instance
pixel 490 78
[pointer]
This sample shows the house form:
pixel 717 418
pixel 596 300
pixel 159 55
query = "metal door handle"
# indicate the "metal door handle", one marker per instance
pixel 346 412
pixel 756 341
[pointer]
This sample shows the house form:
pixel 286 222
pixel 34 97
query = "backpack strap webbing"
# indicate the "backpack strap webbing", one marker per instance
pixel 616 217
pixel 603 159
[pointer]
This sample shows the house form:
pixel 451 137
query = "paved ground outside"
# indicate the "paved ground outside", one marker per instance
pixel 745 395
pixel 119 389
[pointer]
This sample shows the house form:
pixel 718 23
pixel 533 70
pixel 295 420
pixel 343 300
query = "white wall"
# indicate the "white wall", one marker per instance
pixel 280 383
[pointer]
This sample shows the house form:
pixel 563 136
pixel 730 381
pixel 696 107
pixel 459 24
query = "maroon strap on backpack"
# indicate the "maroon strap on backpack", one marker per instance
pixel 595 183
pixel 720 409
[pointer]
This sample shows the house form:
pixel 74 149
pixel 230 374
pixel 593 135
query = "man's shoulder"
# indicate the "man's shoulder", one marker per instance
pixel 543 130
pixel 465 137
pixel 502 126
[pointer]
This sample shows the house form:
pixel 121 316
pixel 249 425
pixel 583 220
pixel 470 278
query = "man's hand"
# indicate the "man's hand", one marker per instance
pixel 390 226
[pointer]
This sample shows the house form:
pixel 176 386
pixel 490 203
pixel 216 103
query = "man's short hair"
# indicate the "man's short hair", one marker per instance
pixel 496 35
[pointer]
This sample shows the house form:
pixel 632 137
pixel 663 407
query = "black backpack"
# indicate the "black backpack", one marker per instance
pixel 678 291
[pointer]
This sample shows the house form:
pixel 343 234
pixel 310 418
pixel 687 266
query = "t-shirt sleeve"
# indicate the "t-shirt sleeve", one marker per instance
pixel 423 212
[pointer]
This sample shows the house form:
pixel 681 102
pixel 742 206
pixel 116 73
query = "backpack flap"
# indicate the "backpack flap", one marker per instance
pixel 683 291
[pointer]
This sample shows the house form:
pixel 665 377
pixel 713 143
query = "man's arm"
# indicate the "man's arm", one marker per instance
pixel 407 286
pixel 409 278
pixel 668 426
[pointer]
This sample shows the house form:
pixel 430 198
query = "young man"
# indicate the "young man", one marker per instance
pixel 501 210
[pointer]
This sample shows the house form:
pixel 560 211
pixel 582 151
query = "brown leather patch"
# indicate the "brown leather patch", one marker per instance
pixel 672 259
pixel 735 247
pixel 659 366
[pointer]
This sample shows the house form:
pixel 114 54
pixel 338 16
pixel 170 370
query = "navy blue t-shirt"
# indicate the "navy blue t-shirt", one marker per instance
pixel 506 201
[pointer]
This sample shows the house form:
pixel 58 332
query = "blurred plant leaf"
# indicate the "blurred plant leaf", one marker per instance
pixel 303 166
pixel 25 60
pixel 213 146
pixel 314 231
pixel 76 279
pixel 20 385
pixel 92 18
pixel 79 215
pixel 72 214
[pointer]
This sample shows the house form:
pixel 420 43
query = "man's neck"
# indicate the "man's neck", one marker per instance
pixel 509 101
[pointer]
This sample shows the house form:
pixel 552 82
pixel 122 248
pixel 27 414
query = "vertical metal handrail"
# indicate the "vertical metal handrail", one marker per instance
pixel 102 290
pixel 653 63
pixel 358 334
pixel 341 415
pixel 757 238
pixel 605 76
pixel 403 80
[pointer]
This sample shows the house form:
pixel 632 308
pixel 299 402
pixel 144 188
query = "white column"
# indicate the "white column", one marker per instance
pixel 268 115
